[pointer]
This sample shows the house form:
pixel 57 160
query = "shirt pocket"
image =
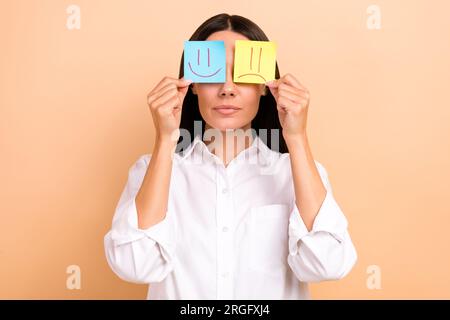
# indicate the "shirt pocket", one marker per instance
pixel 269 238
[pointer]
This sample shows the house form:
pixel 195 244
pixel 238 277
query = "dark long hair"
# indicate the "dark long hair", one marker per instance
pixel 267 115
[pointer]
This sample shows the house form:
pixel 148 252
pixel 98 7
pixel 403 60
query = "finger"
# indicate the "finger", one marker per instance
pixel 288 94
pixel 302 93
pixel 274 92
pixel 273 83
pixel 171 85
pixel 292 104
pixel 182 82
pixel 284 102
pixel 287 87
pixel 183 88
pixel 281 107
pixel 163 91
pixel 163 99
pixel 290 79
pixel 171 105
pixel 166 80
pixel 183 92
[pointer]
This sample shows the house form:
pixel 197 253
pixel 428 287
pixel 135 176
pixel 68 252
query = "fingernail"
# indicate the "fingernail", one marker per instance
pixel 269 83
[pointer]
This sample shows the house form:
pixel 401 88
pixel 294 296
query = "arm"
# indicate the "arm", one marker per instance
pixel 151 200
pixel 141 244
pixel 142 252
pixel 309 189
pixel 320 247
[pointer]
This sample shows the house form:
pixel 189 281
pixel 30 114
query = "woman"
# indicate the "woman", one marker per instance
pixel 234 215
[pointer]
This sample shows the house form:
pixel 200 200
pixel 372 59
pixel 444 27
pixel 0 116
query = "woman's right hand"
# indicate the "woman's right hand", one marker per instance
pixel 165 102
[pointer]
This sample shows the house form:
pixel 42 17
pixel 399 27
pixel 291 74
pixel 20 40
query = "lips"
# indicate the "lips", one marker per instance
pixel 227 106
pixel 226 109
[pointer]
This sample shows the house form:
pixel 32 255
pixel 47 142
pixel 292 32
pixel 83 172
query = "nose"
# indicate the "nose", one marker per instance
pixel 228 88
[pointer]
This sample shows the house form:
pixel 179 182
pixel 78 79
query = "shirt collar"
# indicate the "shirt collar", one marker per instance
pixel 258 147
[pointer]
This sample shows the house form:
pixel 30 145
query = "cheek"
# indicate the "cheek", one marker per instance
pixel 206 95
pixel 251 97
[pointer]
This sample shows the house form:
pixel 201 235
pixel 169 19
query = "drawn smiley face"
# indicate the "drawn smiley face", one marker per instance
pixel 204 61
pixel 198 64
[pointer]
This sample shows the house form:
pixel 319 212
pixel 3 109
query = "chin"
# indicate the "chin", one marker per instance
pixel 226 124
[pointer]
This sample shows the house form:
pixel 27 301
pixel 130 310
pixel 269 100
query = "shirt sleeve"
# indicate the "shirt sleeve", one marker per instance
pixel 139 255
pixel 326 252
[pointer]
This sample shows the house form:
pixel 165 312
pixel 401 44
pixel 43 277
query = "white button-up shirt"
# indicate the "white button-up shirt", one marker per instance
pixel 231 232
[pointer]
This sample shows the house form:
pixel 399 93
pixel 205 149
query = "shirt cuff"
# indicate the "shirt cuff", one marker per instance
pixel 125 229
pixel 330 218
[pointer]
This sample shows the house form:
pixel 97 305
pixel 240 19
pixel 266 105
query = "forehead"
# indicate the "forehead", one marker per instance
pixel 228 37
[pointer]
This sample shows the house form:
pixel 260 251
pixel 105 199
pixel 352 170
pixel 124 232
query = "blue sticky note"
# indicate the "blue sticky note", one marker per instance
pixel 205 61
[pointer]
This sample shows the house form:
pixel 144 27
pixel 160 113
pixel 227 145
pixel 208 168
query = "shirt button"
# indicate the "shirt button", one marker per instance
pixel 225 229
pixel 224 190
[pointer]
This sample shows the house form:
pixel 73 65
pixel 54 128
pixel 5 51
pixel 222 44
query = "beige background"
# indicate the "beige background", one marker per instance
pixel 74 118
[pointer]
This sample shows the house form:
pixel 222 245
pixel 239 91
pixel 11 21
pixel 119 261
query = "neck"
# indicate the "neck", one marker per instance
pixel 227 144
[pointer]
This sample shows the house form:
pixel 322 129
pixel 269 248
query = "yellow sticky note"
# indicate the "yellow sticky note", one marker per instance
pixel 254 61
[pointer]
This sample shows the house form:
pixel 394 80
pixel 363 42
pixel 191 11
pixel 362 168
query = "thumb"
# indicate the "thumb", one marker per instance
pixel 273 87
pixel 183 91
pixel 182 82
pixel 183 86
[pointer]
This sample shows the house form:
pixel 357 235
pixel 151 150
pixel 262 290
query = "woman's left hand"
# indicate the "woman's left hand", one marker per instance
pixel 292 103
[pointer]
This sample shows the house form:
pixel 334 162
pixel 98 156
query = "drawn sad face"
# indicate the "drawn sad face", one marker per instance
pixel 254 61
pixel 254 70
